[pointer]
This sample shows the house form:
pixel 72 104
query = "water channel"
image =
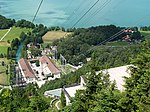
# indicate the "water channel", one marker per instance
pixel 18 54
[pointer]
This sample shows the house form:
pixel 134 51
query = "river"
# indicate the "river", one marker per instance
pixel 56 12
pixel 18 54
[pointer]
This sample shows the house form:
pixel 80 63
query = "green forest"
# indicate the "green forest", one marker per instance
pixel 78 46
pixel 23 100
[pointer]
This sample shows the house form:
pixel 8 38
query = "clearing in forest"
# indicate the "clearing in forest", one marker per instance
pixel 54 35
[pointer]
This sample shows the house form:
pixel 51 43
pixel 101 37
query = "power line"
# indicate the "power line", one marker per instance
pixel 97 11
pixel 116 35
pixel 73 13
pixel 74 18
pixel 69 5
pixel 110 38
pixel 138 21
pixel 84 15
pixel 109 12
pixel 67 8
pixel 37 10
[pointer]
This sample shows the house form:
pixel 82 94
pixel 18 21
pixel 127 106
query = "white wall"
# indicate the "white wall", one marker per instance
pixel 67 100
pixel 22 73
pixel 82 83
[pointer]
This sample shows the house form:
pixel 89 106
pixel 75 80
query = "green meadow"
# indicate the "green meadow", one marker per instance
pixel 4 79
pixel 146 34
pixel 2 33
pixel 3 49
pixel 14 33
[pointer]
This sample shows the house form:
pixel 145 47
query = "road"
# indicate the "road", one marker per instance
pixel 5 34
pixel 6 87
pixel 57 105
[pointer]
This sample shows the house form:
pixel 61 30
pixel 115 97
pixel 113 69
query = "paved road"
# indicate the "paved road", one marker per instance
pixel 5 34
pixel 57 105
pixel 6 87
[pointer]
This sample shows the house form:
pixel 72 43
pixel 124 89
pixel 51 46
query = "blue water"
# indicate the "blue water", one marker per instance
pixel 18 54
pixel 56 12
pixel 55 92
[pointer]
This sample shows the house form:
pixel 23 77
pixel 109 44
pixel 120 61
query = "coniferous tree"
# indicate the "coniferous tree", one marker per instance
pixel 137 94
pixel 63 99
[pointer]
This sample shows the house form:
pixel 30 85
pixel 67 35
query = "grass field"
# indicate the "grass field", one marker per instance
pixel 53 35
pixel 2 33
pixel 146 34
pixel 4 79
pixel 3 49
pixel 15 33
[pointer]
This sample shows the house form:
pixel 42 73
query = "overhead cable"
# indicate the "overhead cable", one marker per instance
pixel 37 11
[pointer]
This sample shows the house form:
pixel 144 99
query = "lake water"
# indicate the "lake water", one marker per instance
pixel 67 12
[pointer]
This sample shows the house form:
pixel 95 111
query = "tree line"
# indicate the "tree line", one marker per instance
pixel 145 28
pixel 6 23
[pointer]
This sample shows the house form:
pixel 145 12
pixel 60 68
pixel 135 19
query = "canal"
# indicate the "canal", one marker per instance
pixel 18 54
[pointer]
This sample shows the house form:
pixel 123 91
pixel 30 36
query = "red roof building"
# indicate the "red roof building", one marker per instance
pixel 26 68
pixel 51 66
